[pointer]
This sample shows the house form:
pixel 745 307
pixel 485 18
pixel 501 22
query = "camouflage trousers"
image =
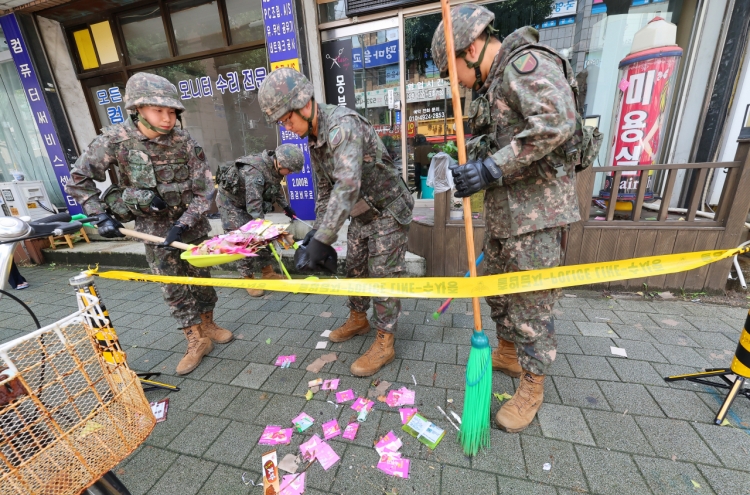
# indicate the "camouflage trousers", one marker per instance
pixel 377 250
pixel 232 218
pixel 186 302
pixel 526 318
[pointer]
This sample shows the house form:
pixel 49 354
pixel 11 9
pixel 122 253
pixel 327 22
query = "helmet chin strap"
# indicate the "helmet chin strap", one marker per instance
pixel 475 65
pixel 147 125
pixel 309 120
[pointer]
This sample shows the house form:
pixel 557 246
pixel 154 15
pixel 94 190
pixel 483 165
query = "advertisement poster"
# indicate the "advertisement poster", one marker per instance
pixel 339 73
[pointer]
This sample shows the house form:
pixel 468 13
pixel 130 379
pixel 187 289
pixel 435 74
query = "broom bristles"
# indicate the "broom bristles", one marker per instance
pixel 475 422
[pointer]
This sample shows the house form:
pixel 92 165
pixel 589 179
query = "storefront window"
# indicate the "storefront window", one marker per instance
pixel 105 43
pixel 220 95
pixel 144 35
pixel 196 25
pixel 245 20
pixel 331 10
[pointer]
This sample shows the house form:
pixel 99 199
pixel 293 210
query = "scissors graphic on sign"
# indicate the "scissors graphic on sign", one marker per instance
pixel 335 61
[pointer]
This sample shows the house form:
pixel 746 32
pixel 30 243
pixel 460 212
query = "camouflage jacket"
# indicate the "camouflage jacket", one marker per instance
pixel 354 172
pixel 251 183
pixel 532 113
pixel 172 166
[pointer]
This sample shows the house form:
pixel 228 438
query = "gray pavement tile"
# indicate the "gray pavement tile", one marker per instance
pixel 630 397
pixel 423 371
pixel 726 481
pixel 564 423
pixel 567 344
pixel 641 351
pixel 406 349
pixel 573 302
pixel 247 331
pixel 566 469
pixel 560 366
pixel 440 353
pixel 510 486
pixel 712 340
pixel 616 431
pixel 196 437
pixel 253 376
pixel 571 314
pixel 246 405
pixel 671 321
pixel 237 349
pixel 168 341
pixel 457 480
pixel 450 376
pixel 685 356
pixel 580 393
pixel 185 476
pixel 670 307
pixel 594 367
pixel 221 315
pixel 632 371
pixel 215 399
pixel 681 404
pixel 667 477
pixel 190 390
pixel 509 463
pixel 731 445
pixel 611 472
pixel 354 345
pixel 264 353
pixel 632 318
pixel 273 333
pixel 283 380
pixel 279 410
pixel 601 316
pixel 296 337
pixel 716 358
pixel 234 444
pixel 563 327
pixel 144 468
pixel 550 393
pixel 225 371
pixel 634 332
pixel 593 329
pixel 713 325
pixel 226 480
pixel 149 361
pixel 672 337
pixel 671 437
pixel 424 477
pixel 594 346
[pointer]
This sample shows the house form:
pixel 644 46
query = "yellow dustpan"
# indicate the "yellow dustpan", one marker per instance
pixel 199 260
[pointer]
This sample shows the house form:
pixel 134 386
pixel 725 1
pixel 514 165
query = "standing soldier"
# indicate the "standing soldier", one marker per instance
pixel 526 107
pixel 248 188
pixel 355 178
pixel 166 186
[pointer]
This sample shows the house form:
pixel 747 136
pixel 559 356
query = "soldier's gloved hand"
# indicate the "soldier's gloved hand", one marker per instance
pixel 309 237
pixel 158 204
pixel 174 234
pixel 288 211
pixel 474 176
pixel 323 255
pixel 108 227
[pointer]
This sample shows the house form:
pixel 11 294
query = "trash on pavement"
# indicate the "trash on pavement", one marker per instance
pixel 393 464
pixel 329 358
pixel 321 345
pixel 285 361
pixel 389 442
pixel 331 429
pixel 290 463
pixel 424 430
pixel 309 395
pixel 502 397
pixel 351 431
pixel 315 448
pixel 362 416
pixel 159 409
pixel 400 397
pixel 618 351
pixel 325 333
pixel 292 484
pixel 406 413
pixel 316 366
pixel 547 466
pixel 330 384
pixel 302 422
pixel 344 396
pixel 362 403
pixel 270 472
pixel 315 383
pixel 275 435
pixel 449 419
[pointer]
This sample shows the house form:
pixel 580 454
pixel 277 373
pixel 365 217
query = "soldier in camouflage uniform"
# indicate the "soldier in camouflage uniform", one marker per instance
pixel 526 111
pixel 248 188
pixel 355 178
pixel 166 186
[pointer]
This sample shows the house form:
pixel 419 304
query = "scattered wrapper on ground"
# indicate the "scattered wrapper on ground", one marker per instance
pixel 331 429
pixel 423 430
pixel 275 435
pixel 302 422
pixel 270 472
pixel 351 431
pixel 247 240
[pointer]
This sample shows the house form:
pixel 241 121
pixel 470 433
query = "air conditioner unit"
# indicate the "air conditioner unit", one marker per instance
pixel 25 198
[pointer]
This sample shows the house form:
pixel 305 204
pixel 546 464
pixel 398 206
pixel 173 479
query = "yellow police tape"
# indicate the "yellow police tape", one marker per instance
pixel 460 287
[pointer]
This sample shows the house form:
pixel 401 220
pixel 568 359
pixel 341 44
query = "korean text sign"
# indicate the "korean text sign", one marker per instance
pixel 39 109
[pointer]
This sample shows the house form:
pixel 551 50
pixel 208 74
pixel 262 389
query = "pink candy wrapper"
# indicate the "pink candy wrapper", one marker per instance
pixel 351 431
pixel 389 443
pixel 330 384
pixel 391 463
pixel 315 447
pixel 331 429
pixel 400 397
pixel 406 413
pixel 344 396
pixel 275 435
pixel 285 361
pixel 362 403
pixel 296 487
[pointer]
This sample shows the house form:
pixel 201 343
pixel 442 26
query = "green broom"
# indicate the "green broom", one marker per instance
pixel 475 422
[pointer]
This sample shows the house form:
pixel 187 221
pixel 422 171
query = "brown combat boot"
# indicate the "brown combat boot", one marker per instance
pixel 254 292
pixel 267 273
pixel 380 353
pixel 356 324
pixel 210 329
pixel 519 411
pixel 505 359
pixel 198 346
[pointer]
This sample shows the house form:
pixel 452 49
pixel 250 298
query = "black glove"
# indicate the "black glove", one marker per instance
pixel 323 255
pixel 174 234
pixel 309 237
pixel 288 211
pixel 108 227
pixel 474 176
pixel 158 204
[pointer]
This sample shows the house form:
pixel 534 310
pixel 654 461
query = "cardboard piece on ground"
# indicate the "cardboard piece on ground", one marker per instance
pixel 329 358
pixel 290 463
pixel 316 366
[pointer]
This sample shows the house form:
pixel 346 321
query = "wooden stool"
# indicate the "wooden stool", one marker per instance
pixel 68 239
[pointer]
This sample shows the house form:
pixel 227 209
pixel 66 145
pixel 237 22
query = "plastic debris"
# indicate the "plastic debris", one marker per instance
pixel 326 314
pixel 160 409
pixel 285 361
pixel 247 240
pixel 302 422
pixel 502 397
pixel 415 380
pixel 362 416
pixel 333 404
pixel 696 485
pixel 362 403
pixel 406 413
pixel 389 442
pixel 315 448
pixel 331 429
pixel 425 431
pixel 618 351
pixel 268 341
pixel 315 383
pixel 275 435
pixel 247 481
pixel 449 419
pixel 456 417
pixel 400 397
pixel 351 431
pixel 344 396
pixel 547 466
pixel 393 464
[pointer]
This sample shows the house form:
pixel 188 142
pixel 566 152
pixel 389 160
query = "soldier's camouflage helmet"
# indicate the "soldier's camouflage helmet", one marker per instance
pixel 469 21
pixel 284 90
pixel 291 157
pixel 149 89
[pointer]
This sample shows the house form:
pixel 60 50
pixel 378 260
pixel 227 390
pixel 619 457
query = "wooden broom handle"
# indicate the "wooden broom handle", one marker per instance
pixel 153 238
pixel 458 123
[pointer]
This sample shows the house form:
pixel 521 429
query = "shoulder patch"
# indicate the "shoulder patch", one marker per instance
pixel 525 63
pixel 335 136
pixel 199 153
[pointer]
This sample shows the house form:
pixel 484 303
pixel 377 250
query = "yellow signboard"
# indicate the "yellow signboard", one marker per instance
pixel 292 63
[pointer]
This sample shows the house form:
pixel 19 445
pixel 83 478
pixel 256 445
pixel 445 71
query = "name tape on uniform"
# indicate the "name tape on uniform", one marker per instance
pixel 460 287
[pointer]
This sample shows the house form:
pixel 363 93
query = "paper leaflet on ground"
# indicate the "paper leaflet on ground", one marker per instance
pixel 160 409
pixel 393 464
pixel 425 431
pixel 362 403
pixel 302 422
pixel 330 384
pixel 320 450
pixel 293 484
pixel 331 429
pixel 247 240
pixel 351 431
pixel 275 435
pixel 388 443
pixel 285 361
pixel 344 396
pixel 400 397
pixel 406 414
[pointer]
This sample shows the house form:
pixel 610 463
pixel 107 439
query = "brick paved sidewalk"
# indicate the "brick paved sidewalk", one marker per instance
pixel 609 425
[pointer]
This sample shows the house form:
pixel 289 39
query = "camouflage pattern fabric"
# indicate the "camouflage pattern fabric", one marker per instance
pixel 284 90
pixel 291 157
pixel 352 167
pixel 377 250
pixel 186 302
pixel 149 89
pixel 172 166
pixel 468 21
pixel 526 318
